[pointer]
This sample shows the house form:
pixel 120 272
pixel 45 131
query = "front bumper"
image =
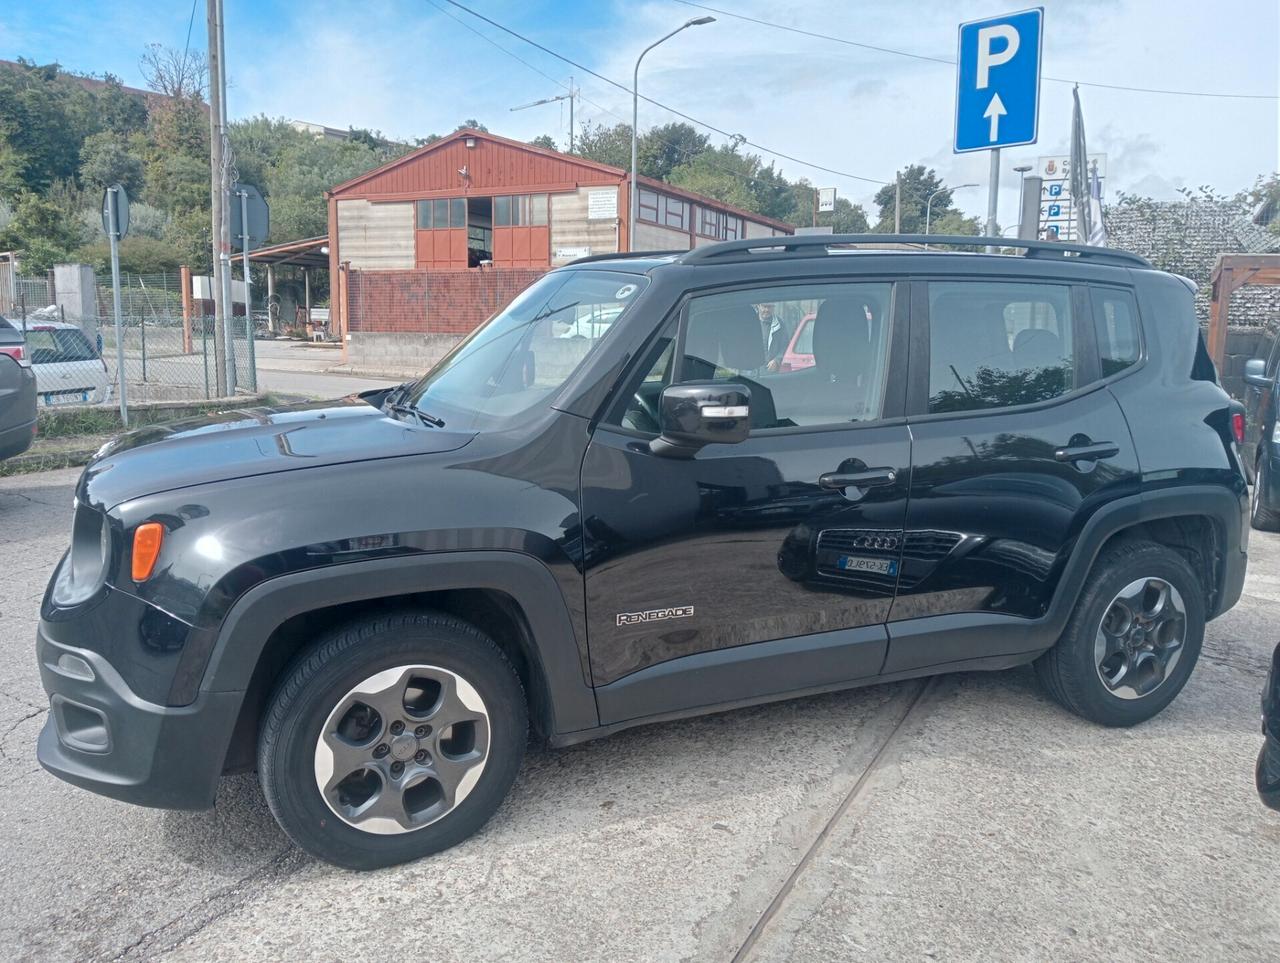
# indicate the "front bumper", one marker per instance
pixel 101 736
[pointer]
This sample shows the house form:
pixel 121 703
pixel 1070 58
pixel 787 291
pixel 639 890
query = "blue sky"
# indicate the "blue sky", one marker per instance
pixel 405 68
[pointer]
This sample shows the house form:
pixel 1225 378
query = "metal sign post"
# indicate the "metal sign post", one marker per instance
pixel 248 287
pixel 115 221
pixel 998 89
pixel 250 225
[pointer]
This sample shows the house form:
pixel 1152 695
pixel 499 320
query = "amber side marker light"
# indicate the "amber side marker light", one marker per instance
pixel 147 539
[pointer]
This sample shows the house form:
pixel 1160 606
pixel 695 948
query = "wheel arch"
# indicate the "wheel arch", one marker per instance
pixel 511 597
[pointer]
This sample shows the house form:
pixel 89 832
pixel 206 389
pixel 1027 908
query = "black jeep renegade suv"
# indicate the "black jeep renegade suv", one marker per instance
pixel 608 506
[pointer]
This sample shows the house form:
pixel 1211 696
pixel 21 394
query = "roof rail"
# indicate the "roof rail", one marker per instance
pixel 809 245
pixel 620 255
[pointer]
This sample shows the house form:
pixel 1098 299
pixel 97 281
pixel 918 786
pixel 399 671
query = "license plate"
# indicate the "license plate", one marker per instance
pixel 858 563
pixel 52 398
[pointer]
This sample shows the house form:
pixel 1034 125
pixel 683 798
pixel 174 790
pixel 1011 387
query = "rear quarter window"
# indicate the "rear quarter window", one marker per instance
pixel 1115 322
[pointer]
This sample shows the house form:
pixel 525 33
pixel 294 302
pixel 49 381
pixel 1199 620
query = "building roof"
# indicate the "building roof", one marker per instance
pixel 603 173
pixel 308 252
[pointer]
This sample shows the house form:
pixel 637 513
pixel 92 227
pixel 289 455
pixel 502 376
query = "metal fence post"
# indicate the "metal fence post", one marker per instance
pixel 142 327
pixel 204 353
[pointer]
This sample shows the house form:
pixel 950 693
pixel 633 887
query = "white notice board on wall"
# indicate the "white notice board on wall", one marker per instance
pixel 602 205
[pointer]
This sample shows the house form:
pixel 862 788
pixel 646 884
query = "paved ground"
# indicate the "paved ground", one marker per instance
pixel 962 819
pixel 295 368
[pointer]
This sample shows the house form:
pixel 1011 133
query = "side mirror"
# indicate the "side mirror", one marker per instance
pixel 701 414
pixel 1255 373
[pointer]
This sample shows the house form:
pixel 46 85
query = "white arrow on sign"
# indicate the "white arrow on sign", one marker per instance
pixel 995 110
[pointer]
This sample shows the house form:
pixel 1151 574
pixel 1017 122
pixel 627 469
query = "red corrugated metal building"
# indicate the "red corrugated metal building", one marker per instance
pixel 424 248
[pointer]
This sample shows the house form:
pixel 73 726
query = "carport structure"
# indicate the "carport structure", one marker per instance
pixel 309 254
pixel 1230 273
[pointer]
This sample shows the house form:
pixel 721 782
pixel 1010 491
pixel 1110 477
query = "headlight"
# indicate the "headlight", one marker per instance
pixel 85 568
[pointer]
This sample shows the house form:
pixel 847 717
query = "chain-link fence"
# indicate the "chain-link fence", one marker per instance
pixel 163 356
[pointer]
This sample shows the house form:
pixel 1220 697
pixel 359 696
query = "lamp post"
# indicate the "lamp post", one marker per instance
pixel 1021 171
pixel 634 212
pixel 928 205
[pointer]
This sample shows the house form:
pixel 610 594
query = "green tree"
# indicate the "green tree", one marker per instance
pixel 545 141
pixel 42 231
pixel 472 124
pixel 917 184
pixel 662 149
pixel 120 111
pixel 605 145
pixel 106 160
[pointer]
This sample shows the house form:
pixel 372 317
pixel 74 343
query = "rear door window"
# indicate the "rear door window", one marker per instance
pixel 997 344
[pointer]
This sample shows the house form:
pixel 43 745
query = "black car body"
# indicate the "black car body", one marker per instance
pixel 1262 394
pixel 1268 772
pixel 17 393
pixel 630 568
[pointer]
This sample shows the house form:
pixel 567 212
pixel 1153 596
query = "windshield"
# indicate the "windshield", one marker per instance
pixel 524 353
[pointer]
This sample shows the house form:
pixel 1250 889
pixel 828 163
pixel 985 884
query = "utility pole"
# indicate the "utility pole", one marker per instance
pixel 216 196
pixel 897 203
pixel 224 243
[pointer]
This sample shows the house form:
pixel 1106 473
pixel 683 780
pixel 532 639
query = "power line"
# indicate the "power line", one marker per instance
pixel 650 100
pixel 675 145
pixel 950 62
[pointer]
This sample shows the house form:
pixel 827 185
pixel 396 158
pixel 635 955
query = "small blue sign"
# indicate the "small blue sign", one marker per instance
pixel 1055 210
pixel 1055 190
pixel 998 81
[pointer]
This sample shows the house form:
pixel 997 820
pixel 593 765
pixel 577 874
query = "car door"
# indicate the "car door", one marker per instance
pixel 1015 440
pixel 761 567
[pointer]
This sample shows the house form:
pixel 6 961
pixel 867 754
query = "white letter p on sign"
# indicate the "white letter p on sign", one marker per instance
pixel 987 58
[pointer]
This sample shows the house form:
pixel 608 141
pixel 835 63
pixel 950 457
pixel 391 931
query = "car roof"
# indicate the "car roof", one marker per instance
pixel 808 247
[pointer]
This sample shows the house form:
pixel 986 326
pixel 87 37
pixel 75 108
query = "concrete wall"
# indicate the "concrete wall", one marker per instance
pixel 760 230
pixel 376 237
pixel 651 237
pixel 397 354
pixel 570 227
pixel 1243 344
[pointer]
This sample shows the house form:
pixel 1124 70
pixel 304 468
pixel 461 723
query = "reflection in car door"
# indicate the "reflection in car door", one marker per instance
pixel 996 497
pixel 786 536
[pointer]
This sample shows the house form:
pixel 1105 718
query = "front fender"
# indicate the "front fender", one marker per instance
pixel 260 611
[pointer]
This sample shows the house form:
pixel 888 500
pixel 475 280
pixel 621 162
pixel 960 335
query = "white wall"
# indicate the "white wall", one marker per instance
pixel 571 229
pixel 376 236
pixel 651 237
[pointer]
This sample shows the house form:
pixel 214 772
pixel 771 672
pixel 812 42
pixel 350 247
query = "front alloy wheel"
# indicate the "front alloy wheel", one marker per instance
pixel 402 749
pixel 392 737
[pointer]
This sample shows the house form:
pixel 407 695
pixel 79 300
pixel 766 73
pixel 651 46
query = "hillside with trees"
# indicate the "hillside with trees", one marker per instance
pixel 64 137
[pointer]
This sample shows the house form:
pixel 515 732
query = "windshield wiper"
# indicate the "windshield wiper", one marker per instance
pixel 400 408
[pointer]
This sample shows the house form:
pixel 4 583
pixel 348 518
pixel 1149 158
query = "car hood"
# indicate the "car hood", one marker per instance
pixel 253 441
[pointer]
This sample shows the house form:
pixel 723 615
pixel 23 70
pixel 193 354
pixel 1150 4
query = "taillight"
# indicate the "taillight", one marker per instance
pixel 147 539
pixel 16 352
pixel 1237 426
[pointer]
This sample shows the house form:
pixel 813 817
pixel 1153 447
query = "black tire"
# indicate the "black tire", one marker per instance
pixel 321 677
pixel 1261 516
pixel 1069 671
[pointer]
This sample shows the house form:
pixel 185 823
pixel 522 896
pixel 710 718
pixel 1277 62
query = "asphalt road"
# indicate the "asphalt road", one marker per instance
pixel 965 818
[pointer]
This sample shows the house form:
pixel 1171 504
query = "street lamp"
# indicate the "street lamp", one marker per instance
pixel 1021 171
pixel 928 207
pixel 635 119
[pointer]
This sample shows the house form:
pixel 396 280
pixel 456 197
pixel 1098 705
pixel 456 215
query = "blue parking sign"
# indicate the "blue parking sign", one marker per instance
pixel 998 81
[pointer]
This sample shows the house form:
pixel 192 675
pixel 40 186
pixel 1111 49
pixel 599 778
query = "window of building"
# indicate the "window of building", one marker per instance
pixel 648 206
pixel 442 213
pixel 995 344
pixel 520 210
pixel 1115 321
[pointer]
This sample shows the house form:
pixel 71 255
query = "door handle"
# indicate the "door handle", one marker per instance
pixel 1093 452
pixel 871 478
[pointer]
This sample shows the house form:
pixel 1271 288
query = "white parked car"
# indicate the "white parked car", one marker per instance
pixel 69 370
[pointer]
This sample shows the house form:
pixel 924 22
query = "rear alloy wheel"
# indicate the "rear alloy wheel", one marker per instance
pixel 392 738
pixel 1262 517
pixel 1133 639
